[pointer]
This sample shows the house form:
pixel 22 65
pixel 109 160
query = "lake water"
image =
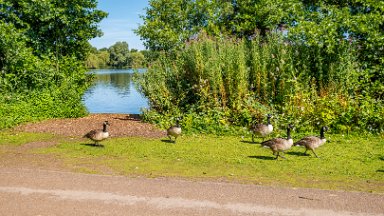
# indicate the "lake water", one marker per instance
pixel 114 92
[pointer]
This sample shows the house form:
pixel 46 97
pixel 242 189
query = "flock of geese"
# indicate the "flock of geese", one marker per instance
pixel 277 145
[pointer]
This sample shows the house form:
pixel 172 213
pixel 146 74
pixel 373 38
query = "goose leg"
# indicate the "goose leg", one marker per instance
pixel 282 155
pixel 315 153
pixel 305 151
pixel 253 139
pixel 277 156
pixel 170 138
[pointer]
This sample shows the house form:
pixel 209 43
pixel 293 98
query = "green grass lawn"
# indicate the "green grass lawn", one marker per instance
pixel 352 163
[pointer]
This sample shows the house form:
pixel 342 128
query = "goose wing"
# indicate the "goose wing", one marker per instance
pixel 91 133
pixel 307 140
pixel 273 142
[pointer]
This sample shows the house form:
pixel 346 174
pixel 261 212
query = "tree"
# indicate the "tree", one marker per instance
pixel 97 59
pixel 327 23
pixel 168 24
pixel 62 28
pixel 119 55
pixel 137 60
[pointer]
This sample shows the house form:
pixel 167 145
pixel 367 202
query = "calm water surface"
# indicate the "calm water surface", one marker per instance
pixel 114 92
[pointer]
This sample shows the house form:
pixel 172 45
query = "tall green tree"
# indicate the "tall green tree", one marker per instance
pixel 119 56
pixel 361 22
pixel 56 27
pixel 137 60
pixel 169 23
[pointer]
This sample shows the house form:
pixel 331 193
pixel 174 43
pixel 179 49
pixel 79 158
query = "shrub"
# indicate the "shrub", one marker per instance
pixel 217 84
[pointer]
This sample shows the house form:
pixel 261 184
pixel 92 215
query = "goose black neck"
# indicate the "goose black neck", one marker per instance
pixel 104 127
pixel 269 120
pixel 177 124
pixel 322 133
pixel 288 133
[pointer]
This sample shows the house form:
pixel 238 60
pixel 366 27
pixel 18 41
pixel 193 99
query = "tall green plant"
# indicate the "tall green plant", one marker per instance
pixel 232 80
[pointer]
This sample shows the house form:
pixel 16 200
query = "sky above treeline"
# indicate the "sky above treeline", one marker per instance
pixel 123 18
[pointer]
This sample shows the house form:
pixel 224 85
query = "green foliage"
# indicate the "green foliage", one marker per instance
pixel 325 23
pixel 118 56
pixel 42 45
pixel 217 84
pixel 137 60
pixel 169 25
pixel 52 26
pixel 97 59
pixel 56 96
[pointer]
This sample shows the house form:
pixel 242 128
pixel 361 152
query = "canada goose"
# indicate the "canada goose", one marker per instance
pixel 98 135
pixel 262 130
pixel 175 130
pixel 278 145
pixel 313 142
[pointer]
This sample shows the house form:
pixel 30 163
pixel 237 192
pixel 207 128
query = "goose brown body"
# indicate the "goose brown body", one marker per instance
pixel 278 145
pixel 262 130
pixel 174 131
pixel 98 135
pixel 313 142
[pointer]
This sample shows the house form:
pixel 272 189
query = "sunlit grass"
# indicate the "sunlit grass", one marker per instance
pixel 353 163
pixel 17 139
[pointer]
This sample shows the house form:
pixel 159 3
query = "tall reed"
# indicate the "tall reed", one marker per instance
pixel 226 82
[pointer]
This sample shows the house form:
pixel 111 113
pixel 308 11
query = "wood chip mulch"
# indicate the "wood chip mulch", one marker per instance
pixel 121 125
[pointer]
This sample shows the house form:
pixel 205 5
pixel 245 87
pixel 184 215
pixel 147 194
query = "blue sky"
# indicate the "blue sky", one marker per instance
pixel 122 19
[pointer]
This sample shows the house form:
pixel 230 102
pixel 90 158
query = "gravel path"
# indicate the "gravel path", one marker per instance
pixel 43 192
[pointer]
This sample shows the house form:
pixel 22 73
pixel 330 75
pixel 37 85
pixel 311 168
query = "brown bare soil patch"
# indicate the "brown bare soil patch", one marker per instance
pixel 121 125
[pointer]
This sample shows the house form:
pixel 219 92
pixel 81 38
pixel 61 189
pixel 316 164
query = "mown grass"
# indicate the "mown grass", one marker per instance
pixel 17 139
pixel 347 163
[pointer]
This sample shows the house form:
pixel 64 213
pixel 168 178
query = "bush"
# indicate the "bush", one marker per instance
pixel 218 84
pixel 34 88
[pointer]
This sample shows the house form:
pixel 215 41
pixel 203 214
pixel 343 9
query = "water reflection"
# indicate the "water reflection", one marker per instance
pixel 120 81
pixel 114 92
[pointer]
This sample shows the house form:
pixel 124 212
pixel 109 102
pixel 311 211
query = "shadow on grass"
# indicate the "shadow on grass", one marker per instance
pixel 93 145
pixel 382 158
pixel 262 157
pixel 168 141
pixel 249 142
pixel 297 153
pixel 380 170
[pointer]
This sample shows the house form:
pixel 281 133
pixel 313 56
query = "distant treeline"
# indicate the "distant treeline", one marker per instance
pixel 119 56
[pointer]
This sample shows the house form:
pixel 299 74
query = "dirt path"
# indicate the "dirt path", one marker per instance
pixel 38 185
pixel 42 192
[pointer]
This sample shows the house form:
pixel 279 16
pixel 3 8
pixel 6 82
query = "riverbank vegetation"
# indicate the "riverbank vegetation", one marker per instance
pixel 43 45
pixel 307 63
